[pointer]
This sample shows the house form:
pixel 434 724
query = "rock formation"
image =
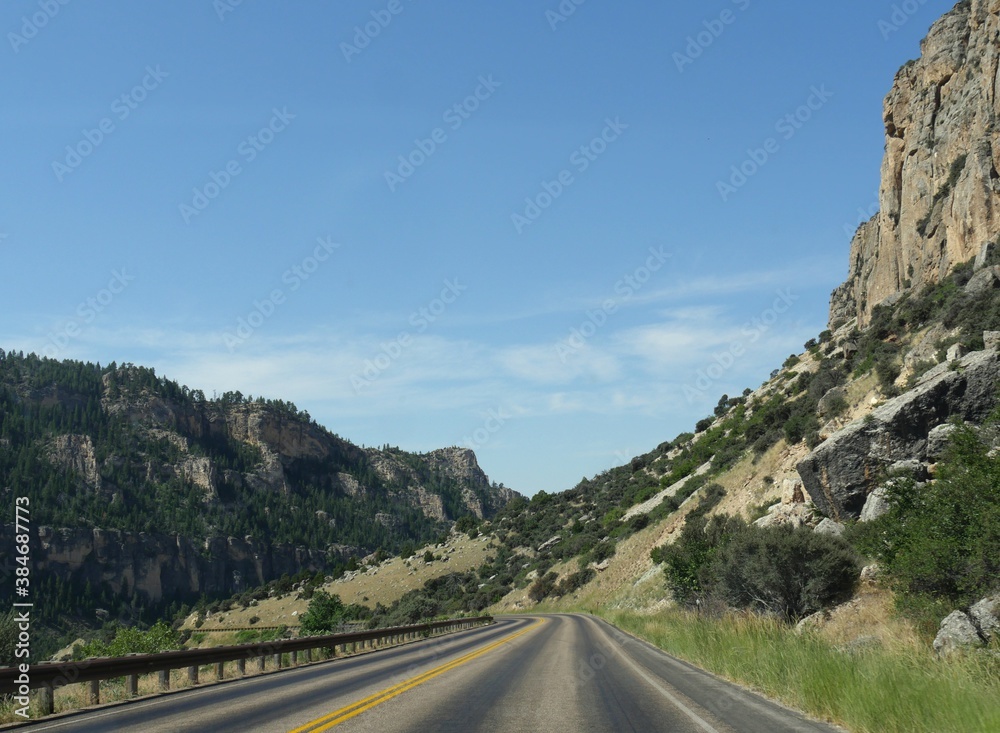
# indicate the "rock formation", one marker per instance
pixel 842 471
pixel 940 189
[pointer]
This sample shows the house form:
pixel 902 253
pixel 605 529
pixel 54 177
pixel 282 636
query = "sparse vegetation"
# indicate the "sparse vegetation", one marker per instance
pixel 942 541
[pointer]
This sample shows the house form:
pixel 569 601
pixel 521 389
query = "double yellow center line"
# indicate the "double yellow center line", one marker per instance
pixel 346 713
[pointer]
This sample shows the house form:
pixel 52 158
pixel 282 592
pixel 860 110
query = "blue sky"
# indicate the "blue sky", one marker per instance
pixel 501 225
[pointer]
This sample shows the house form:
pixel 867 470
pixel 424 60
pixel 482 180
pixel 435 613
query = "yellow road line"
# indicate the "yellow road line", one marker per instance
pixel 346 713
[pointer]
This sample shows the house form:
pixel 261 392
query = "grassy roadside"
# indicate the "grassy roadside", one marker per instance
pixel 866 690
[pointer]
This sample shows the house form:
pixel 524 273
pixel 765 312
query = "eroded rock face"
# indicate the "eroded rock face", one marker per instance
pixel 940 190
pixel 170 565
pixel 841 472
pixel 76 453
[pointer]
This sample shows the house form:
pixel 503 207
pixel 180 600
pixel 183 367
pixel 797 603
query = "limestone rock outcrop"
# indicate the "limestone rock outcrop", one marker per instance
pixel 940 189
pixel 842 471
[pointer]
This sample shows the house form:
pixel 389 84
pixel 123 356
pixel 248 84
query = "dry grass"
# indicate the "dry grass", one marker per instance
pixel 384 584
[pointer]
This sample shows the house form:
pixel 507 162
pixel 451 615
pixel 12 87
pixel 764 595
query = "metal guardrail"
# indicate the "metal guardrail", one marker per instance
pixel 51 675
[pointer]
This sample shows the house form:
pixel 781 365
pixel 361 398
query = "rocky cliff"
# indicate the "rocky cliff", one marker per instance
pixel 140 485
pixel 940 189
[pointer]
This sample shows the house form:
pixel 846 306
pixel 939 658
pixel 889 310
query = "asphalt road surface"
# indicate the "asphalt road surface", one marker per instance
pixel 523 674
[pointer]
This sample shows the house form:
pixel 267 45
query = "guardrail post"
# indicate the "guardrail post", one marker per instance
pixel 95 692
pixel 241 666
pixel 262 662
pixel 132 685
pixel 277 661
pixel 193 674
pixel 46 700
pixel 308 655
pixel 220 670
pixel 165 679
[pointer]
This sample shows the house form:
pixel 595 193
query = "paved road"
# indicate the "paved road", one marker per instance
pixel 548 673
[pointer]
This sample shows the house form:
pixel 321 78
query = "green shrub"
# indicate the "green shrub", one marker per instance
pixel 543 587
pixel 780 571
pixel 789 573
pixel 943 539
pixel 324 615
pixel 158 638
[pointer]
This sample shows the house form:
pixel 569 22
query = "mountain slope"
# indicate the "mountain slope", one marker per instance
pixel 145 492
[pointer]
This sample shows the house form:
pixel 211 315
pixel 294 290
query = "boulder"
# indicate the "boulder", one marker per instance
pixel 957 633
pixel 984 281
pixel 938 439
pixel 828 526
pixel 876 505
pixel 955 352
pixel 986 615
pixel 992 340
pixel 870 574
pixel 917 470
pixel 840 473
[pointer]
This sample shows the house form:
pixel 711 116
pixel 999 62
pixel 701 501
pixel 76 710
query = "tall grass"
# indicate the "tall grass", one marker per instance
pixel 867 690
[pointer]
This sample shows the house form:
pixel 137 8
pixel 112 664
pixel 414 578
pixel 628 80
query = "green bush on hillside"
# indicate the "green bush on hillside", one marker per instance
pixel 158 638
pixel 779 571
pixel 943 539
pixel 325 613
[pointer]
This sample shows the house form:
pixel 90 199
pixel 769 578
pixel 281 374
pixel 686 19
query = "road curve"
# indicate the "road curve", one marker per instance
pixel 545 673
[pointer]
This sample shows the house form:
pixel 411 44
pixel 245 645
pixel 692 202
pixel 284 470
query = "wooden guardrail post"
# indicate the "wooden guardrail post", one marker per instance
pixel 132 685
pixel 277 660
pixel 262 662
pixel 220 670
pixel 308 655
pixel 95 692
pixel 165 679
pixel 193 674
pixel 241 666
pixel 46 699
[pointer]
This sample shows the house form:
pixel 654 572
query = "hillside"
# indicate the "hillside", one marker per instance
pixel 145 493
pixel 856 437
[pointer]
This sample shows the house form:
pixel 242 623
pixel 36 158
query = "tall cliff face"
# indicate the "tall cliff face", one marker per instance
pixel 940 190
pixel 138 484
